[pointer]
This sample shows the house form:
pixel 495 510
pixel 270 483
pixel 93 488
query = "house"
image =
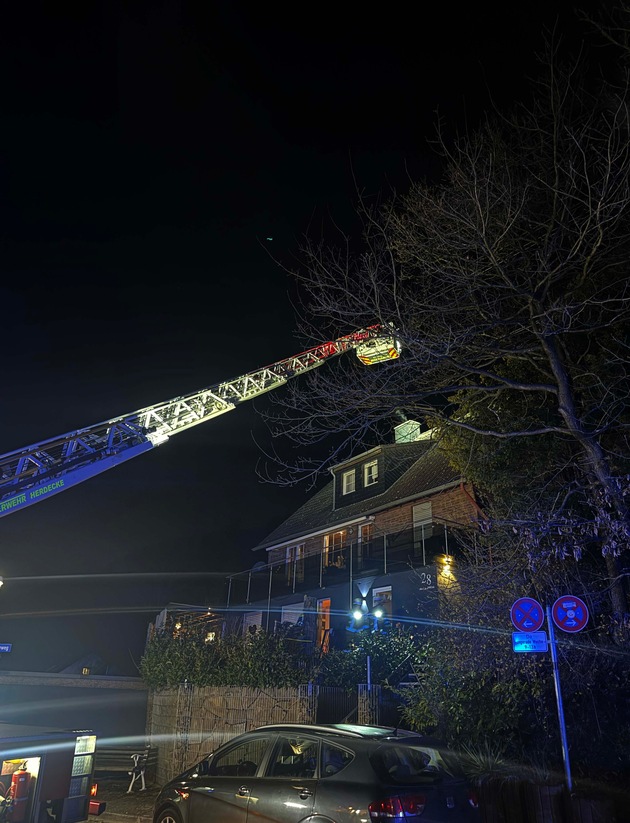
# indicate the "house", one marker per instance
pixel 186 621
pixel 375 546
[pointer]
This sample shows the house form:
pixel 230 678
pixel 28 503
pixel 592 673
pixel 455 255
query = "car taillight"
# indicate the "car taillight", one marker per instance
pixel 401 808
pixel 473 799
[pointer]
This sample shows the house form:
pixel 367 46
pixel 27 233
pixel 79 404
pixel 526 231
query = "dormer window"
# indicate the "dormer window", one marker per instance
pixel 370 473
pixel 348 482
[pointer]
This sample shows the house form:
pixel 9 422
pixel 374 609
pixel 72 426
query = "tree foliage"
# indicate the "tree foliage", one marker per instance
pixel 391 656
pixel 507 284
pixel 472 688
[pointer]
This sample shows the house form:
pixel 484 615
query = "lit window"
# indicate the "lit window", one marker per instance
pixel 370 473
pixel 295 564
pixel 334 551
pixel 348 482
pixel 382 600
pixel 366 532
pixel 85 670
pixel 323 624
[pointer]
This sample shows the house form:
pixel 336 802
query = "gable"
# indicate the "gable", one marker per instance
pixel 407 473
pixel 373 473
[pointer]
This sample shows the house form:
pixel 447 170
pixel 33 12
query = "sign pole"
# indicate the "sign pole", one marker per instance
pixel 556 683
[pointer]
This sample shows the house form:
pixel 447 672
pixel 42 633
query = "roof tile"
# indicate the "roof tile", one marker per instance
pixel 411 469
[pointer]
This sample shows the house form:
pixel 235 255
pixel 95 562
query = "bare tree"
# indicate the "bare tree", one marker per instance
pixel 507 284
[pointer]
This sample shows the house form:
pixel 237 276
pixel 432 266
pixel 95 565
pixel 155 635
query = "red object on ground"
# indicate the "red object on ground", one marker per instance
pixel 97 807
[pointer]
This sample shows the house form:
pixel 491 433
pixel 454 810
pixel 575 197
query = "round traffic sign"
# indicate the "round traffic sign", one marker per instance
pixel 569 613
pixel 527 614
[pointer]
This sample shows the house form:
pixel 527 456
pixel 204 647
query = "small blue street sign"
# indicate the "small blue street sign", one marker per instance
pixel 527 614
pixel 569 613
pixel 5 647
pixel 529 641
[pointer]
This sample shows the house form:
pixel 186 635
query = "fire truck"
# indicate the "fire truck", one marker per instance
pixel 46 774
pixel 35 473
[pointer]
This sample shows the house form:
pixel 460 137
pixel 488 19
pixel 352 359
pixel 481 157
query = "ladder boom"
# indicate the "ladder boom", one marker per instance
pixel 36 472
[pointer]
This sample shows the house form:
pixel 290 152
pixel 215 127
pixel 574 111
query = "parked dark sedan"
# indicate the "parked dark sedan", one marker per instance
pixel 320 774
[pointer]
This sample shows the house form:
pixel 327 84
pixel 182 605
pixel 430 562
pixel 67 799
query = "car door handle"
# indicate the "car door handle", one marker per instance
pixel 243 791
pixel 304 793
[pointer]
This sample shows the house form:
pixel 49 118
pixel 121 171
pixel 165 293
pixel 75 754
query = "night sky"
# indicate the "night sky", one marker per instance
pixel 147 153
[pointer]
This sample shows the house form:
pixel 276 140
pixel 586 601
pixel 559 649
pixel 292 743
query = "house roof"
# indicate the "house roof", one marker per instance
pixel 410 470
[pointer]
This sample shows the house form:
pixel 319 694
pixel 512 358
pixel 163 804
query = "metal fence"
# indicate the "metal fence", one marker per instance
pixel 388 553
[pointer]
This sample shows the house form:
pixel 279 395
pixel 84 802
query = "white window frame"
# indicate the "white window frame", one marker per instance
pixel 366 536
pixel 348 481
pixel 370 478
pixel 382 598
pixel 332 546
pixel 422 514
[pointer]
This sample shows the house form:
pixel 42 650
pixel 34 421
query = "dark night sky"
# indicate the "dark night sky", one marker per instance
pixel 147 150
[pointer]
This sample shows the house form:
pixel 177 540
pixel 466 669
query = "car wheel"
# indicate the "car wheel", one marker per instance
pixel 169 816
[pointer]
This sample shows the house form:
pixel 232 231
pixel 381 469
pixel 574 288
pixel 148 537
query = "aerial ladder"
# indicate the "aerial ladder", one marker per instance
pixel 35 473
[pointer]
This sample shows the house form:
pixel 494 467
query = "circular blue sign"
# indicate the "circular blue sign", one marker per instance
pixel 527 614
pixel 570 613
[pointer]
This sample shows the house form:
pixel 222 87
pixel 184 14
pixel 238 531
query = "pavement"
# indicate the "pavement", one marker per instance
pixel 136 807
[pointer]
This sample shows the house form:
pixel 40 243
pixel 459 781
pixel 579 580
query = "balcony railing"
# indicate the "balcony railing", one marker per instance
pixel 385 554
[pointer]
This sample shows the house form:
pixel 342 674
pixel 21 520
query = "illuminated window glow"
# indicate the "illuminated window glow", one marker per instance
pixel 370 473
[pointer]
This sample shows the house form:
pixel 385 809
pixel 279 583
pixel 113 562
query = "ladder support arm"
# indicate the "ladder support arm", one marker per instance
pixel 34 473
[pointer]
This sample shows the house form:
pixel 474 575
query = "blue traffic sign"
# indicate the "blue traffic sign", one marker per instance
pixel 527 614
pixel 5 647
pixel 569 613
pixel 529 641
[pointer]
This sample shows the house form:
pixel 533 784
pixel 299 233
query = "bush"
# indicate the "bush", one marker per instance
pixel 257 660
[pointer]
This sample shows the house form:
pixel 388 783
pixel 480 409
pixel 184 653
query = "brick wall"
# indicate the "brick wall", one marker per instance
pixel 452 507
